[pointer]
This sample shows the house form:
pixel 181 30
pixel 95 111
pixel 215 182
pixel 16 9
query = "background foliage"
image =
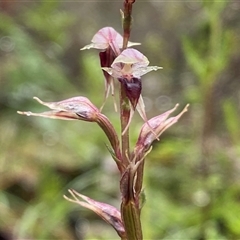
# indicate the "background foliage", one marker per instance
pixel 192 181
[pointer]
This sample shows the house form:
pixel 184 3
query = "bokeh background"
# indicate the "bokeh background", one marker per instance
pixel 192 176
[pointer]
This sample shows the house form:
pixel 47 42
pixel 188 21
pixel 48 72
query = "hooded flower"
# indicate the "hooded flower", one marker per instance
pixel 128 68
pixel 129 64
pixel 108 37
pixel 76 108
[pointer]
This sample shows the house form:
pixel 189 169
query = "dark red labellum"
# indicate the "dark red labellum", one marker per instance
pixel 133 88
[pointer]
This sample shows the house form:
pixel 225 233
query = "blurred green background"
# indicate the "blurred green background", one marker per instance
pixel 192 176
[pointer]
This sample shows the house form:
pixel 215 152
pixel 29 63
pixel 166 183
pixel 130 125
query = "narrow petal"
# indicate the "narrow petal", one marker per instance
pixel 89 46
pixel 156 121
pixel 129 120
pixel 137 72
pixel 169 122
pixel 141 110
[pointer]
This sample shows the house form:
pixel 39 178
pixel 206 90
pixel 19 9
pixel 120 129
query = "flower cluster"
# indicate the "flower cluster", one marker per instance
pixel 109 42
pixel 127 66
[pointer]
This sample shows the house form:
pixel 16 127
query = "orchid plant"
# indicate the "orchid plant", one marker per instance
pixel 125 65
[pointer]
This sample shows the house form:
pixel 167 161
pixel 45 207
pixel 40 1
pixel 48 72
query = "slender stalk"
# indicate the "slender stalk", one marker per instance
pixel 131 218
pixel 124 102
pixel 127 21
pixel 130 205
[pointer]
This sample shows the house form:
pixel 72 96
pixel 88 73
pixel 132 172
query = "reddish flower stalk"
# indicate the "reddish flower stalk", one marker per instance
pixel 127 21
pixel 124 104
pixel 129 210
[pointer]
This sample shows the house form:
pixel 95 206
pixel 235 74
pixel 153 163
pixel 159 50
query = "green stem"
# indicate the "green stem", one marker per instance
pixel 131 218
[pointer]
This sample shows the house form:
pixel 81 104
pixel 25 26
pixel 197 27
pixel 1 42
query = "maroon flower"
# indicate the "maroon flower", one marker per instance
pixel 128 67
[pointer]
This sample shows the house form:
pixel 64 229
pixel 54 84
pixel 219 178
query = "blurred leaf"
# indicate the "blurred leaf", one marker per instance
pixel 231 118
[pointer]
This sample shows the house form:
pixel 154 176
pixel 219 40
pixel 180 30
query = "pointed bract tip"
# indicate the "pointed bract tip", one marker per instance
pixel 67 198
pixel 38 99
pixel 186 107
